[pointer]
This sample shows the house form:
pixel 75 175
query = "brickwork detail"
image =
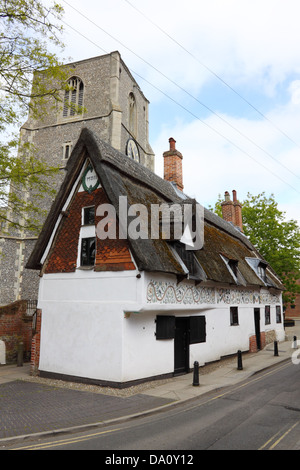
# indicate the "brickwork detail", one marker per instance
pixel 35 344
pixel 173 165
pixel 253 342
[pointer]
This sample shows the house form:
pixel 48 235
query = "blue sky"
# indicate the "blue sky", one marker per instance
pixel 238 58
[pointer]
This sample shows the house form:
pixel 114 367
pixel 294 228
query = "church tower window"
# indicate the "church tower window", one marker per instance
pixel 132 114
pixel 73 100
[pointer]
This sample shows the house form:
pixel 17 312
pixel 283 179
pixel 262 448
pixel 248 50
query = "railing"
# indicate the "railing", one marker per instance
pixel 31 307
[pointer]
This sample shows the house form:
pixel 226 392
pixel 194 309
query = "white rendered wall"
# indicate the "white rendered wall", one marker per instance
pixel 82 322
pixel 102 325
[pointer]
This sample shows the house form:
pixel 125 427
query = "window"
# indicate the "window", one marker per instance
pixel 73 97
pixel 67 149
pixel 89 215
pixel 88 251
pixel 165 327
pixel 278 314
pixel 197 329
pixel 261 271
pixel 233 265
pixel 189 260
pixel 267 315
pixel 234 316
pixel 132 114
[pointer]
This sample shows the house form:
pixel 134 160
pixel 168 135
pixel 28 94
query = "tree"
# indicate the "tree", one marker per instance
pixel 31 79
pixel 276 239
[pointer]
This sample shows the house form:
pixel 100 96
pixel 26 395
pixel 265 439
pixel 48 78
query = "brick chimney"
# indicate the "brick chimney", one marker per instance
pixel 173 165
pixel 232 210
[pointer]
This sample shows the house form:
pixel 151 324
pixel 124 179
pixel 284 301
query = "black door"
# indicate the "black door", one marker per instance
pixel 181 345
pixel 257 327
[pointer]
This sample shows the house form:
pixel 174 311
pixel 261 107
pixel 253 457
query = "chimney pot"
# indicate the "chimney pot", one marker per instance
pixel 172 143
pixel 227 197
pixel 232 210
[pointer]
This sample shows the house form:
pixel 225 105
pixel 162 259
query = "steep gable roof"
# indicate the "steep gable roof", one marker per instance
pixel 122 176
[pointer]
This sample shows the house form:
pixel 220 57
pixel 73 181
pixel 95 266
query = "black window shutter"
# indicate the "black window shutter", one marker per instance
pixel 197 329
pixel 165 327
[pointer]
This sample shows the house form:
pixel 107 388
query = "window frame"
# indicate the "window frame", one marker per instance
pixel 189 260
pixel 267 315
pixel 74 95
pixel 278 314
pixel 90 259
pixel 165 327
pixel 85 218
pixel 67 150
pixel 132 114
pixel 197 329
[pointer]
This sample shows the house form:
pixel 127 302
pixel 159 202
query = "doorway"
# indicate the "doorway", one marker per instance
pixel 257 327
pixel 181 346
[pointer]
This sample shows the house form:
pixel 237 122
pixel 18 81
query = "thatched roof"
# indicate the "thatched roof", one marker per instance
pixel 122 176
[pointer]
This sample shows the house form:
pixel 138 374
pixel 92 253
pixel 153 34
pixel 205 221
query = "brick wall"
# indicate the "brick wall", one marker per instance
pixel 15 327
pixel 253 344
pixel 36 342
pixel 294 312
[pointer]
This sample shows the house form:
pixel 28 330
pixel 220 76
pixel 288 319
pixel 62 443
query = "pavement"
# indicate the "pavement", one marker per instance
pixel 31 409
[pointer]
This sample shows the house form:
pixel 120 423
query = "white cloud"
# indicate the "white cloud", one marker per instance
pixel 253 45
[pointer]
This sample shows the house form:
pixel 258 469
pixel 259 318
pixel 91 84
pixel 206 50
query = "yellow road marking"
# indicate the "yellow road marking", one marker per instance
pixel 278 440
pixel 45 445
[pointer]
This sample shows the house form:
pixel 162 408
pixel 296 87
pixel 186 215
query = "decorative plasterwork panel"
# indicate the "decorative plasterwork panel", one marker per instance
pixel 169 293
pixel 235 296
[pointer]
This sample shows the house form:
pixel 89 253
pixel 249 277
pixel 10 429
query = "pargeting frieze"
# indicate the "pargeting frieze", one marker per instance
pixel 169 293
pixel 235 296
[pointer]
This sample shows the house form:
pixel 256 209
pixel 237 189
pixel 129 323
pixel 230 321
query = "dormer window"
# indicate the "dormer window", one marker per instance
pixel 260 268
pixel 261 271
pixel 191 264
pixel 73 100
pixel 232 266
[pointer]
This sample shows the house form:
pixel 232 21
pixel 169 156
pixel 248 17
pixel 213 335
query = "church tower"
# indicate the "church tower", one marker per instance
pixel 115 109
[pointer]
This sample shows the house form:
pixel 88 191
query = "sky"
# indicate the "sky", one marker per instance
pixel 222 78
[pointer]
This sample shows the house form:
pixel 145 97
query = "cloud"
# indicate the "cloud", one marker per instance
pixel 251 45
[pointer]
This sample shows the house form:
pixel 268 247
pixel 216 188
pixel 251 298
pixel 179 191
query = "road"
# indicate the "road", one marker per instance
pixel 260 413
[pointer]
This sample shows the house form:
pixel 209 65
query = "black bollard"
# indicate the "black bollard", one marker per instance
pixel 276 348
pixel 196 374
pixel 295 346
pixel 240 362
